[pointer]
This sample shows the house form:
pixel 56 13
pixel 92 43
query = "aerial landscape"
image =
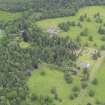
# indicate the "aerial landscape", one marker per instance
pixel 52 52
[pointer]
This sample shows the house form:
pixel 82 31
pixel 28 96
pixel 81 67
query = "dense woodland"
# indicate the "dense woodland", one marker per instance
pixel 17 63
pixel 48 8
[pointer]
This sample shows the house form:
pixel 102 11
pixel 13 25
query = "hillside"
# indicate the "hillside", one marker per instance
pixel 48 8
pixel 52 52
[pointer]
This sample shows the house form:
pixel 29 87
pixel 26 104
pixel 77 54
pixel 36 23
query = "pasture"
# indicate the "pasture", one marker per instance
pixel 93 39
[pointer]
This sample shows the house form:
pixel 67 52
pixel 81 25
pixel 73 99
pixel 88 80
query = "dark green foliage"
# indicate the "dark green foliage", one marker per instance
pixel 84 85
pixel 75 89
pixel 95 82
pixel 101 30
pixel 48 8
pixel 102 47
pixel 68 78
pixel 15 65
pixel 34 97
pixel 91 93
pixel 103 38
pixel 42 73
pixel 84 32
pixel 73 96
pixel 89 103
pixel 64 26
pixel 90 38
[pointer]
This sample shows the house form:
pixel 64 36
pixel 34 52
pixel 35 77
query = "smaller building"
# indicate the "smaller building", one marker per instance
pixel 85 65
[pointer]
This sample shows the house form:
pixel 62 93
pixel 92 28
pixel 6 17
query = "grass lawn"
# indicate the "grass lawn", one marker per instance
pixel 74 30
pixel 42 85
pixel 24 45
pixel 8 16
pixel 100 88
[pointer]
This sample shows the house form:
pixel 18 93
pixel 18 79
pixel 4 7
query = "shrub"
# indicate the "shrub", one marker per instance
pixel 84 32
pixel 81 18
pixel 103 38
pixel 91 93
pixel 64 26
pixel 95 82
pixel 86 44
pixel 94 56
pixel 101 30
pixel 68 78
pixel 88 19
pixel 95 45
pixel 84 85
pixel 102 47
pixel 75 89
pixel 73 96
pixel 54 90
pixel 98 102
pixel 78 39
pixel 89 103
pixel 34 97
pixel 42 73
pixel 90 38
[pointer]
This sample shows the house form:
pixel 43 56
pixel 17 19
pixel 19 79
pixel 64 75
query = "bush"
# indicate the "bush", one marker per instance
pixel 95 45
pixel 101 30
pixel 84 32
pixel 78 39
pixel 103 38
pixel 98 102
pixel 95 82
pixel 86 44
pixel 81 18
pixel 102 47
pixel 54 90
pixel 73 96
pixel 89 103
pixel 75 89
pixel 34 97
pixel 42 73
pixel 90 38
pixel 68 78
pixel 88 19
pixel 94 56
pixel 91 93
pixel 64 26
pixel 84 85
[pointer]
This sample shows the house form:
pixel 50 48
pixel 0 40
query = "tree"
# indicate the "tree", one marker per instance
pixel 84 32
pixel 64 26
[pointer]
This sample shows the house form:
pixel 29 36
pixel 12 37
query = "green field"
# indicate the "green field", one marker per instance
pixel 74 31
pixel 45 78
pixel 42 85
pixel 8 16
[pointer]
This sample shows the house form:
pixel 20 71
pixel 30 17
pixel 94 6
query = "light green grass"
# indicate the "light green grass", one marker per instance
pixel 41 85
pixel 24 45
pixel 75 31
pixel 100 88
pixel 7 16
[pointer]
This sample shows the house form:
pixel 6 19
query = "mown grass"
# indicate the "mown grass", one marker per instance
pixel 42 84
pixel 8 16
pixel 75 31
pixel 100 87
pixel 45 78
